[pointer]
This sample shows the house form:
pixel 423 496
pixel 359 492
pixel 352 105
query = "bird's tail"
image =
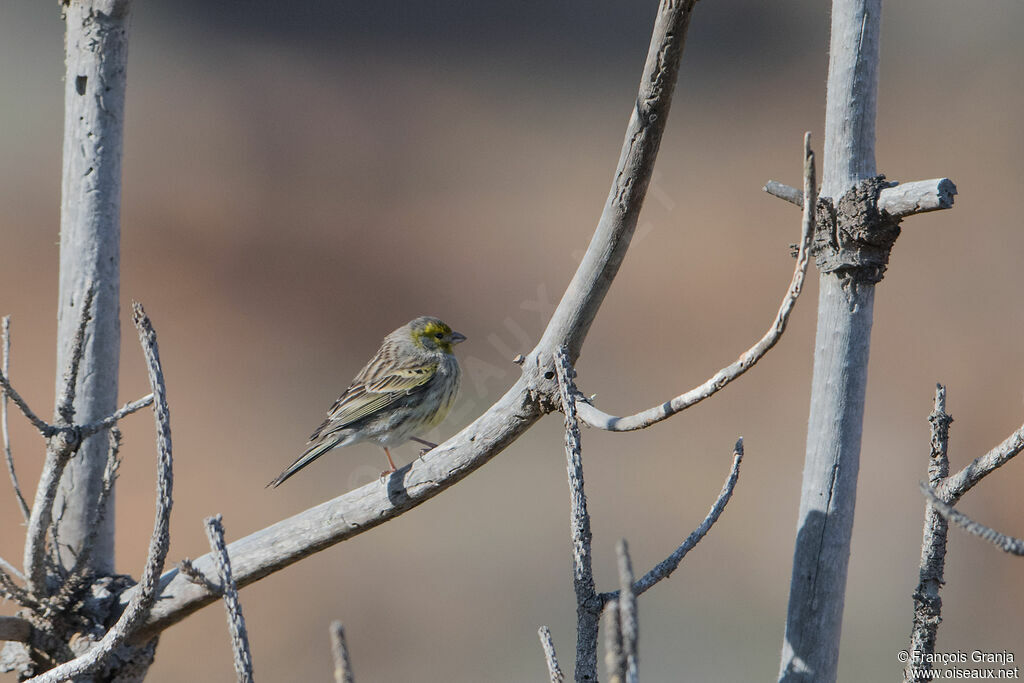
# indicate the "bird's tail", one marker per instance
pixel 309 456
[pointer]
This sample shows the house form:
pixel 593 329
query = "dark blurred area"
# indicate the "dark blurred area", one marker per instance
pixel 301 178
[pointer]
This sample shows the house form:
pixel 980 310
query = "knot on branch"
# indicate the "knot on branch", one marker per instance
pixel 852 237
pixel 65 441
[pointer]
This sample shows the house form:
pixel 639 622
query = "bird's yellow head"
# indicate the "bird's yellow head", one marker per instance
pixel 433 335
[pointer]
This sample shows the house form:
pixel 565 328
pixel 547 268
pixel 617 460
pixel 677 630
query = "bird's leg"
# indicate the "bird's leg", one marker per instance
pixel 429 446
pixel 391 463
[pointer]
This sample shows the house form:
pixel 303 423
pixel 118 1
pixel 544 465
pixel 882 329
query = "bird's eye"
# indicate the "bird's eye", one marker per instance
pixel 439 335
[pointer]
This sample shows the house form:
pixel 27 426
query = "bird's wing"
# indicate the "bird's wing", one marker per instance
pixel 374 393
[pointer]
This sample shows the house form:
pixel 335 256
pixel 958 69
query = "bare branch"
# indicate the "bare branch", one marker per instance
pixel 627 611
pixel 614 655
pixel 898 201
pixel 145 593
pixel 16 629
pixel 65 413
pixel 43 427
pixel 339 650
pixel 123 412
pixel 1007 544
pixel 288 541
pixel 665 568
pixel 956 485
pixel 190 572
pixel 554 671
pixel 920 196
pixel 5 332
pixel 785 192
pixel 927 602
pixel 588 605
pixel 8 567
pixel 9 589
pixel 236 621
pixel 80 572
pixel 596 418
pixel 59 450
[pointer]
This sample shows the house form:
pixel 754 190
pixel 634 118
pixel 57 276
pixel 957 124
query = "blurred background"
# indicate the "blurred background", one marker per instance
pixel 301 178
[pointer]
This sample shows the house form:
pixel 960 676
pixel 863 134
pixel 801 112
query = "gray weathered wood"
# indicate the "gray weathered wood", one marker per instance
pixel 900 201
pixel 825 524
pixel 94 93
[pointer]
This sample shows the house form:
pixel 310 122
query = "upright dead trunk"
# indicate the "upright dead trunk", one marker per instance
pixel 845 306
pixel 96 45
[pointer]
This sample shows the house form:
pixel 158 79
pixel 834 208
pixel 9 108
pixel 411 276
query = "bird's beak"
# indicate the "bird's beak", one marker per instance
pixel 458 338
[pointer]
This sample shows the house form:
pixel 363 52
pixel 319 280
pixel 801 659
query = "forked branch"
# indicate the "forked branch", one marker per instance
pixel 145 592
pixel 1008 544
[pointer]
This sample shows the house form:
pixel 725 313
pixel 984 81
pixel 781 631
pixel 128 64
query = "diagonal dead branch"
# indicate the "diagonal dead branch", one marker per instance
pixel 533 394
pixel 956 485
pixel 65 412
pixel 665 568
pixel 233 606
pixel 145 592
pixel 8 567
pixel 594 417
pixel 112 419
pixel 1007 544
pixel 339 652
pixel 43 427
pixel 5 333
pixel 588 605
pixel 627 612
pixel 554 671
pixel 927 601
pixel 10 590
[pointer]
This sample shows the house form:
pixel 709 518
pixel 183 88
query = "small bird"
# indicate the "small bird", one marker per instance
pixel 406 389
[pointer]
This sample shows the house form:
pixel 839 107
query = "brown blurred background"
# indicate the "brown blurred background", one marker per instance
pixel 301 178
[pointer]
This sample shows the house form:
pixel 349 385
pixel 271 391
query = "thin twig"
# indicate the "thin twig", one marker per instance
pixel 339 651
pixel 112 419
pixel 142 599
pixel 190 571
pixel 5 332
pixel 927 601
pixel 627 611
pixel 80 572
pixel 590 415
pixel 588 605
pixel 1008 544
pixel 59 449
pixel 65 413
pixel 43 427
pixel 8 567
pixel 10 590
pixel 956 485
pixel 614 655
pixel 236 620
pixel 665 568
pixel 554 671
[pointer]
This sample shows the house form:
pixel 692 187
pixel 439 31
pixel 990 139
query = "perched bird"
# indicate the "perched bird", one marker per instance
pixel 406 389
